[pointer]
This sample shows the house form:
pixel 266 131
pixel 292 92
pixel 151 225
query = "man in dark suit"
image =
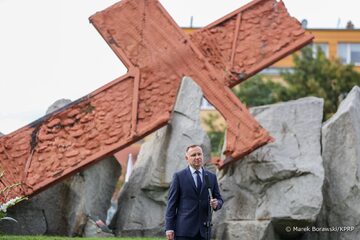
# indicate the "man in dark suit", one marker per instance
pixel 188 201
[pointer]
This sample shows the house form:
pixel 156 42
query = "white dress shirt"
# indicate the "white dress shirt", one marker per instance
pixel 194 175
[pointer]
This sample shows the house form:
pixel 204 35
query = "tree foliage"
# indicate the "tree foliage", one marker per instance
pixel 216 133
pixel 312 75
pixel 316 75
pixel 256 91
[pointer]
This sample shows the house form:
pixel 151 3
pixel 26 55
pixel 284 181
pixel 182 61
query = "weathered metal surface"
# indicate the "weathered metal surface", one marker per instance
pixel 157 54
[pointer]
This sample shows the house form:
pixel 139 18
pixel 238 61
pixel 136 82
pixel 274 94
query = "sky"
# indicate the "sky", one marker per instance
pixel 49 50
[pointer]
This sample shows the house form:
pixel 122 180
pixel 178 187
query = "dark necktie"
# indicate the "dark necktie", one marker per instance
pixel 198 179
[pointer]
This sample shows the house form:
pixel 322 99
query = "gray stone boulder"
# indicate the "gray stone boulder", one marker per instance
pixel 278 185
pixel 90 194
pixel 247 230
pixel 143 199
pixel 64 209
pixel 341 155
pixel 57 105
pixel 40 214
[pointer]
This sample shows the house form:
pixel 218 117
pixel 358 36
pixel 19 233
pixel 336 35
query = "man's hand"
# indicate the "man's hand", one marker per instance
pixel 214 203
pixel 170 235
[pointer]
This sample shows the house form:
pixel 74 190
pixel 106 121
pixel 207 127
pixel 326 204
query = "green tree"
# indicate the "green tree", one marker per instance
pixel 257 91
pixel 316 75
pixel 216 133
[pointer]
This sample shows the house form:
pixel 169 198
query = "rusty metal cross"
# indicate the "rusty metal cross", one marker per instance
pixel 157 54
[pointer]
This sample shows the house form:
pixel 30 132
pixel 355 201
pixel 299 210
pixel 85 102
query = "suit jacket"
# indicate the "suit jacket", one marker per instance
pixel 187 210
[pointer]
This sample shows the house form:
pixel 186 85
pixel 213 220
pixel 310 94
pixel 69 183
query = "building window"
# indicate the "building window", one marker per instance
pixel 276 71
pixel 349 53
pixel 205 105
pixel 323 46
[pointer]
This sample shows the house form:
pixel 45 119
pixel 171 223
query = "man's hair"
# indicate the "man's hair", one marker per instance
pixel 192 146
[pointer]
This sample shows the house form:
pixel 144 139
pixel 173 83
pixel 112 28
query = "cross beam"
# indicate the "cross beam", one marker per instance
pixel 157 54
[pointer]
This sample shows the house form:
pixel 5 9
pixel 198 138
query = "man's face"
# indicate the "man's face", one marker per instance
pixel 194 157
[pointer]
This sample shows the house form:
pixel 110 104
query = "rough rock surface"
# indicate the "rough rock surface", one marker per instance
pixel 63 209
pixel 57 105
pixel 341 155
pixel 247 230
pixel 143 199
pixel 279 183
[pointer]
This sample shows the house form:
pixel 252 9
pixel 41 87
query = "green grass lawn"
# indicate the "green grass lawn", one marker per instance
pixel 7 237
